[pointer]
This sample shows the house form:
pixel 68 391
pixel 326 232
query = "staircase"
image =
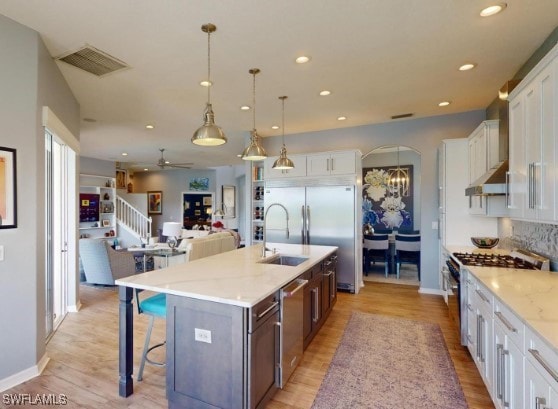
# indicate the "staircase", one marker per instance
pixel 135 222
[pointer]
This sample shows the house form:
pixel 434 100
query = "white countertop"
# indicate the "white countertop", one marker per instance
pixel 531 294
pixel 234 277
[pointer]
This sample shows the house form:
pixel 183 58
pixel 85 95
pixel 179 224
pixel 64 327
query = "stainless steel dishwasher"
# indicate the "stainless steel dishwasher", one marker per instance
pixel 290 341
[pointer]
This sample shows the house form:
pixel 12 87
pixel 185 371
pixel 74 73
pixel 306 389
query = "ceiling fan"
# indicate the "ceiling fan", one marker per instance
pixel 164 163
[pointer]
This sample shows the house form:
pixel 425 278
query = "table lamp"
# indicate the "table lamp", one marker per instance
pixel 172 230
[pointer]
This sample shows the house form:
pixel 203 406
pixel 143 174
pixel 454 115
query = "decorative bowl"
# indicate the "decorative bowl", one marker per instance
pixel 485 242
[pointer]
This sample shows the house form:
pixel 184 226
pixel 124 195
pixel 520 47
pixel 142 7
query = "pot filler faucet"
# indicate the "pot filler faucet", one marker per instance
pixel 264 221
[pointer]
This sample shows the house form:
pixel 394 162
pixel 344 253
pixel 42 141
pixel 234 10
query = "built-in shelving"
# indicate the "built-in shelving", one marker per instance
pixel 96 207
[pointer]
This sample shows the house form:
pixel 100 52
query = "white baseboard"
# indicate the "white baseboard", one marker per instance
pixel 433 291
pixel 74 308
pixel 24 375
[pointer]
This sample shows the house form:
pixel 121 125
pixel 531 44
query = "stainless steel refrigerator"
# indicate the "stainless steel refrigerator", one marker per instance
pixel 322 215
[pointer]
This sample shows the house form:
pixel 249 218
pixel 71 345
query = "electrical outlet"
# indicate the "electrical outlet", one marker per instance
pixel 1 253
pixel 202 335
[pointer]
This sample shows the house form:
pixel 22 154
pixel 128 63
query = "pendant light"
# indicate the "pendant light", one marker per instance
pixel 283 162
pixel 399 179
pixel 254 151
pixel 209 134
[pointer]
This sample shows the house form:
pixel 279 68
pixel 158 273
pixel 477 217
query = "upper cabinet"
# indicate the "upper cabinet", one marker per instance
pixel 483 153
pixel 299 169
pixel 333 163
pixel 533 143
pixel 319 164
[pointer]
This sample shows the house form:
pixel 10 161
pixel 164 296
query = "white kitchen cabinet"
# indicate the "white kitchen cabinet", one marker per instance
pixel 479 328
pixel 508 388
pixel 483 151
pixel 534 143
pixel 541 370
pixel 299 169
pixel 538 393
pixel 331 163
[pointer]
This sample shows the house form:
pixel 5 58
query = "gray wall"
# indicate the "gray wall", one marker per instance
pixel 423 135
pixel 171 182
pixel 29 79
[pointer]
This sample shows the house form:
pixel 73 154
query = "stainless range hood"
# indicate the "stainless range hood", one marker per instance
pixel 491 183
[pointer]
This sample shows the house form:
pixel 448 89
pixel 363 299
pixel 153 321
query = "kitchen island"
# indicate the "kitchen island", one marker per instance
pixel 228 287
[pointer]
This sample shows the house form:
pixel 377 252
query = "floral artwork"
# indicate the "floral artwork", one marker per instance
pixel 385 204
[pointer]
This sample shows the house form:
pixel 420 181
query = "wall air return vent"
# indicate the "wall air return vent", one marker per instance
pixel 402 116
pixel 93 61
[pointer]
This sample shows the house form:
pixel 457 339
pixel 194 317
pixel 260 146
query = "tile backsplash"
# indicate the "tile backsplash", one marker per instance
pixel 536 237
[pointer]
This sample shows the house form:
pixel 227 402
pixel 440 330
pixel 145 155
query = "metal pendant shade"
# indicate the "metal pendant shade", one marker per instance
pixel 254 151
pixel 283 162
pixel 209 134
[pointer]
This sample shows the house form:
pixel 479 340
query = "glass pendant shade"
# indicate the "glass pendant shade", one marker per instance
pixel 209 134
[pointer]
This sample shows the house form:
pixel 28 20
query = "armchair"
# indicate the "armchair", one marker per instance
pixel 102 264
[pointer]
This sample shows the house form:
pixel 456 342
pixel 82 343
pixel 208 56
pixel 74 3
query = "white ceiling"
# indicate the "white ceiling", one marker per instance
pixel 378 58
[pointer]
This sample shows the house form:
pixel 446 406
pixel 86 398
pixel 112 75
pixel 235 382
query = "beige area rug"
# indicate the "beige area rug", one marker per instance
pixel 390 363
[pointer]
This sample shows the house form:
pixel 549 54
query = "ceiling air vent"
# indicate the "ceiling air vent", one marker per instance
pixel 93 61
pixel 402 116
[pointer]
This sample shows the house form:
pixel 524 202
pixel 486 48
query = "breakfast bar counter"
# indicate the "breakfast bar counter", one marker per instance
pixel 238 278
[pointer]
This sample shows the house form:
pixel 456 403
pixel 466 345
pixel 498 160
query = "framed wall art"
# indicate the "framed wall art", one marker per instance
pixel 387 197
pixel 155 202
pixel 121 179
pixel 8 188
pixel 199 184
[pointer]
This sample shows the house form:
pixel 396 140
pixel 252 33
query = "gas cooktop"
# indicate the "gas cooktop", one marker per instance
pixel 520 259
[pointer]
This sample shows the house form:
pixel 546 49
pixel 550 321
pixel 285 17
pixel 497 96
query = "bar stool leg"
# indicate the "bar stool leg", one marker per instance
pixel 146 347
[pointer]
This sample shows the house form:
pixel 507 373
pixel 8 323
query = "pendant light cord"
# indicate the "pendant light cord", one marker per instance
pixel 283 119
pixel 208 67
pixel 254 101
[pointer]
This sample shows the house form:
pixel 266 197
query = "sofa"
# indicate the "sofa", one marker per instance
pixel 207 245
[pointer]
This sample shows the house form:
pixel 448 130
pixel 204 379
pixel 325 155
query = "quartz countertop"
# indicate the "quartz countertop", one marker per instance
pixel 531 294
pixel 235 277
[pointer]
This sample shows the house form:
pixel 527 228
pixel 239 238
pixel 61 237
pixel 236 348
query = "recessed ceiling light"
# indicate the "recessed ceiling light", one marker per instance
pixel 302 59
pixel 341 118
pixel 245 108
pixel 491 10
pixel 124 154
pixel 206 83
pixel 325 92
pixel 149 126
pixel 274 127
pixel 467 67
pixel 145 169
pixel 444 103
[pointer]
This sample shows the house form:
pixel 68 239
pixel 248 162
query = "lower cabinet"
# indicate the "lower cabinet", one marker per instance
pixel 312 304
pixel 221 355
pixel 519 369
pixel 508 370
pixel 320 296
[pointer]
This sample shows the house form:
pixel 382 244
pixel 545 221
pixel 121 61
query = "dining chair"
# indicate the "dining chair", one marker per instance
pixel 376 248
pixel 408 231
pixel 407 250
pixel 154 306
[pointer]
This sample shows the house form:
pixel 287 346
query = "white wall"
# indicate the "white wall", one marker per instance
pixel 423 135
pixel 29 80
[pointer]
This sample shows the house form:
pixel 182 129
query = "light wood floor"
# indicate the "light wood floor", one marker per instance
pixel 84 351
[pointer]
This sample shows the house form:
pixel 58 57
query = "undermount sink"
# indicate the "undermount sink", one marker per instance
pixel 285 260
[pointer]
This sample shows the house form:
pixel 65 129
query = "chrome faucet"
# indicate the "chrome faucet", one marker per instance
pixel 264 222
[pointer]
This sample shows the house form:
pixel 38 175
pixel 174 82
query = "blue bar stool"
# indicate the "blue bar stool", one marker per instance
pixel 156 307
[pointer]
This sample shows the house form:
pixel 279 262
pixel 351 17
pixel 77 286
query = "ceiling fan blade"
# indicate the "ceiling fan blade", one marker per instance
pixel 180 165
